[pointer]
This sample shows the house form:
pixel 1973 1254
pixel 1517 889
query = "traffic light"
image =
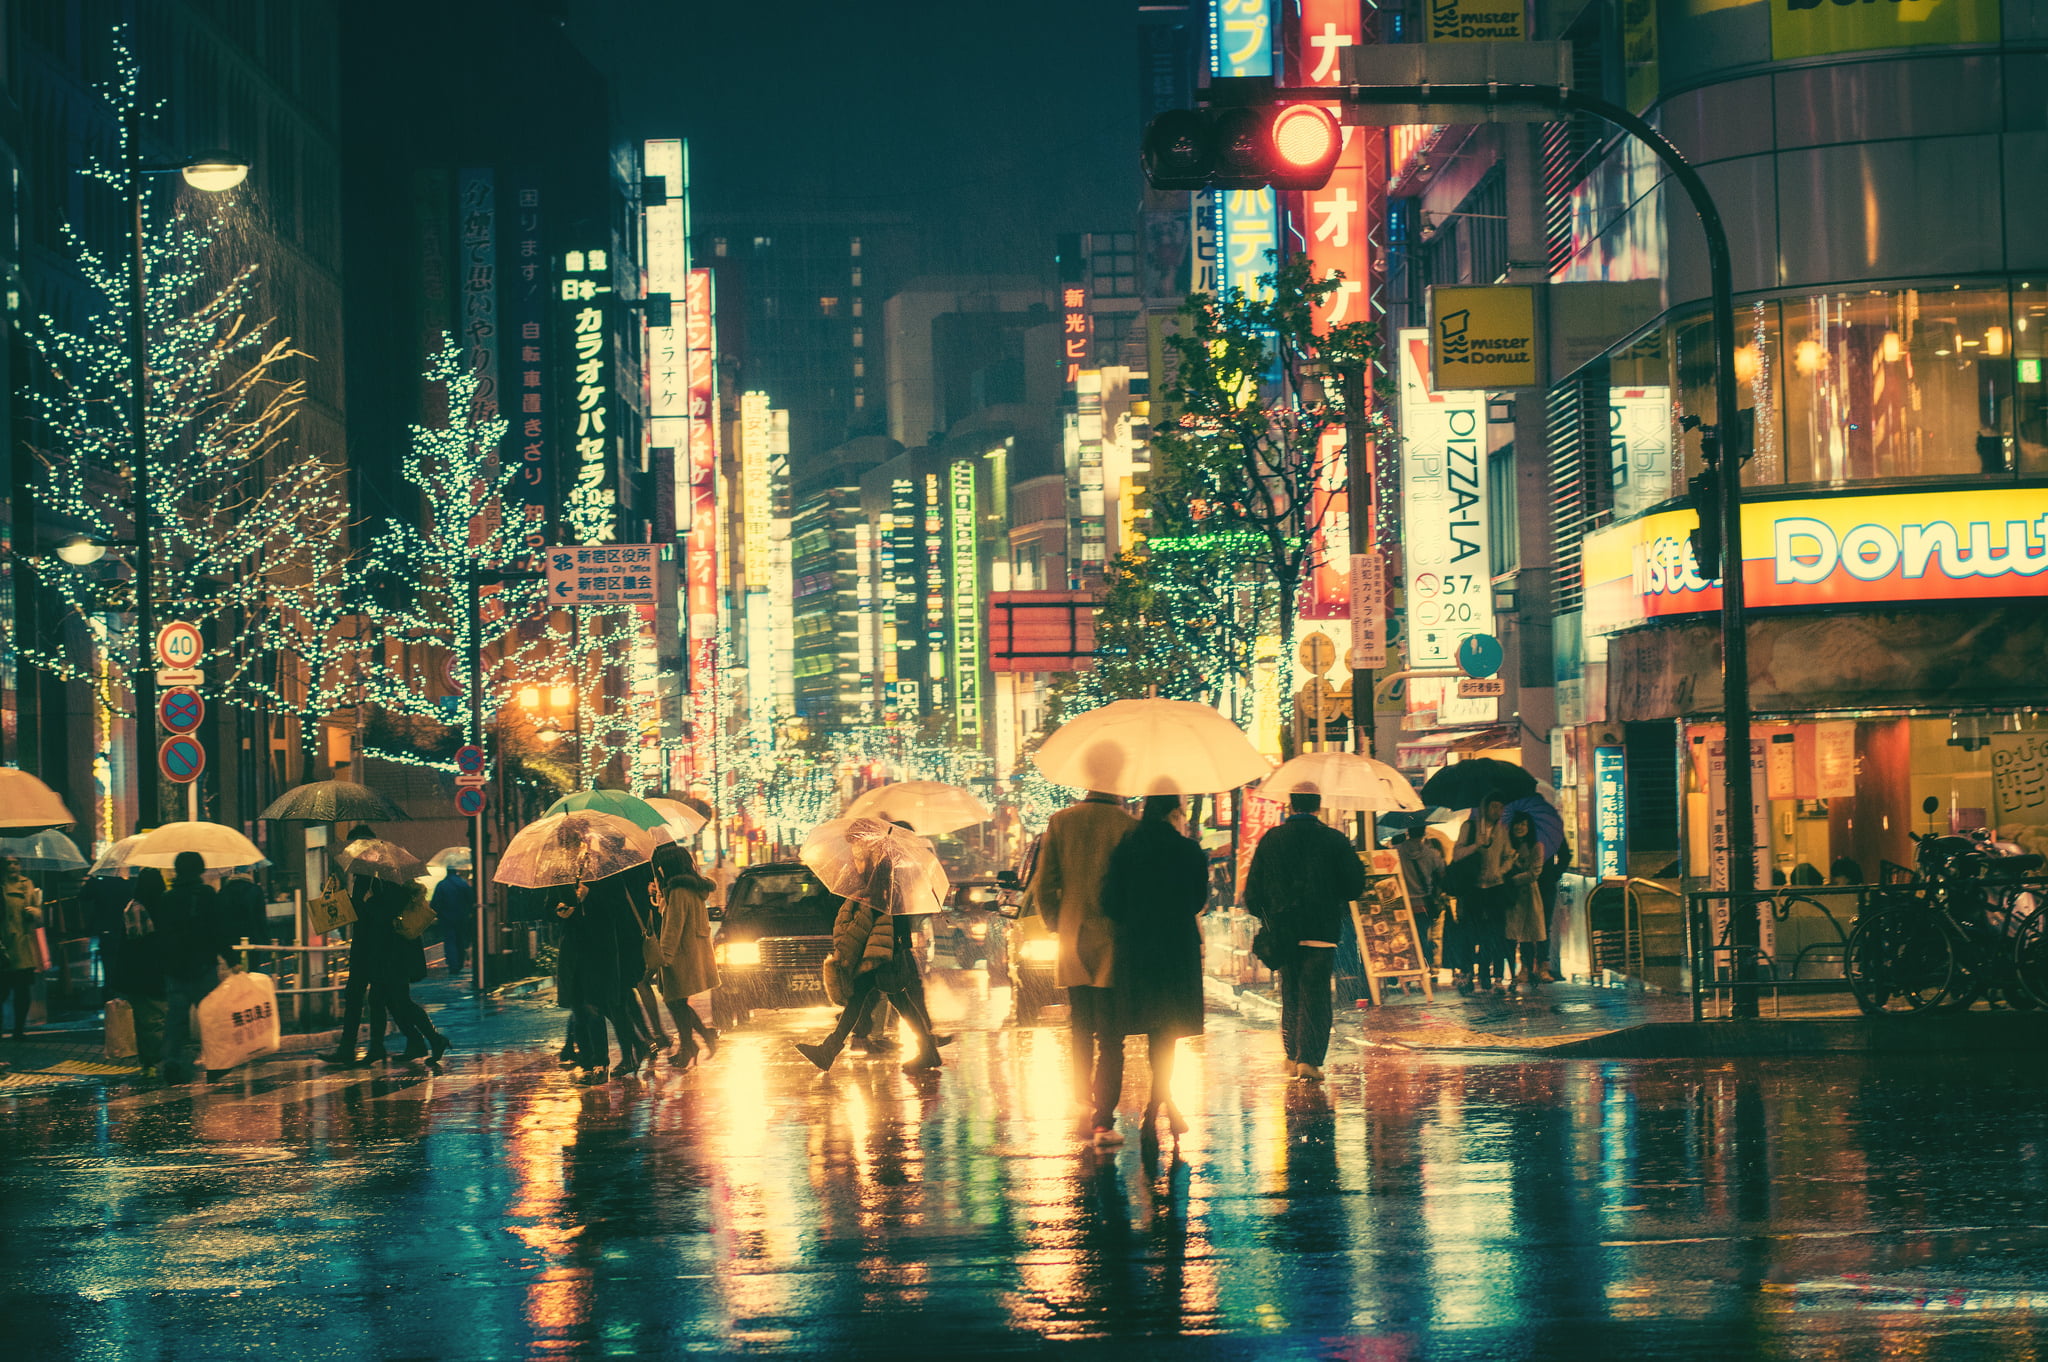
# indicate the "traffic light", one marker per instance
pixel 1243 146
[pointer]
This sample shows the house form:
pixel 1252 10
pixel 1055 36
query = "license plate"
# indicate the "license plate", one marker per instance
pixel 805 983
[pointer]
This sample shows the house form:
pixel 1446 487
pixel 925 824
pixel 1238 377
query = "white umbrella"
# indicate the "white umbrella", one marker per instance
pixel 573 848
pixel 1145 747
pixel 382 859
pixel 219 845
pixel 1345 780
pixel 682 820
pixel 46 850
pixel 28 805
pixel 843 854
pixel 931 807
pixel 450 858
pixel 114 859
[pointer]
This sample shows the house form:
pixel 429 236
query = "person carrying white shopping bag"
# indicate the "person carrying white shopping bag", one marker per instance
pixel 238 1021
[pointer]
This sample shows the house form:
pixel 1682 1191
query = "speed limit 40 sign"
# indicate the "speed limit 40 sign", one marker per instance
pixel 178 645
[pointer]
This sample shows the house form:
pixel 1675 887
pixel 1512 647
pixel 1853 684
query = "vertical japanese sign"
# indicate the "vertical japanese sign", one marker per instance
pixel 1241 44
pixel 1368 609
pixel 1443 511
pixel 477 229
pixel 701 558
pixel 668 269
pixel 1639 448
pixel 965 600
pixel 1717 843
pixel 1610 812
pixel 757 437
pixel 590 508
pixel 1205 216
pixel 1075 333
pixel 526 304
pixel 935 588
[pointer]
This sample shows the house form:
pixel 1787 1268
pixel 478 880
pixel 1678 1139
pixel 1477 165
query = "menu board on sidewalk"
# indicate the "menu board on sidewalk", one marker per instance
pixel 1387 935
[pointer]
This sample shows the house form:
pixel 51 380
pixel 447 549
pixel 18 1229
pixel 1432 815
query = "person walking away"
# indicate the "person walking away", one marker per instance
pixel 1156 886
pixel 872 953
pixel 100 901
pixel 687 965
pixel 1478 865
pixel 195 947
pixel 138 970
pixel 1066 890
pixel 21 912
pixel 600 962
pixel 454 905
pixel 1558 864
pixel 243 910
pixel 381 967
pixel 1302 881
pixel 1524 922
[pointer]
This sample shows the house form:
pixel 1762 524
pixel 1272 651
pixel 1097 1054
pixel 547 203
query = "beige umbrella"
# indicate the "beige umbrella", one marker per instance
pixel 573 848
pixel 219 845
pixel 931 807
pixel 382 859
pixel 1345 780
pixel 682 821
pixel 1146 747
pixel 844 852
pixel 28 805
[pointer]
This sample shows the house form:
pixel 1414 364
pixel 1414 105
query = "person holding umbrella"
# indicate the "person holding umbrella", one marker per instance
pixel 383 961
pixel 1156 886
pixel 1523 923
pixel 1478 876
pixel 194 941
pixel 688 967
pixel 1302 880
pixel 21 912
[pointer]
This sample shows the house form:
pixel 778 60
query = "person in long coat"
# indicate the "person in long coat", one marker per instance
pixel 688 967
pixel 1303 877
pixel 1066 890
pixel 194 942
pixel 1156 887
pixel 21 912
pixel 1524 921
pixel 599 964
pixel 389 965
pixel 1483 909
pixel 871 953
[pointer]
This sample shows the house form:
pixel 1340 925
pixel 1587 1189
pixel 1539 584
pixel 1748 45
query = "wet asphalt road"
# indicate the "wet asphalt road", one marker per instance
pixel 1413 1207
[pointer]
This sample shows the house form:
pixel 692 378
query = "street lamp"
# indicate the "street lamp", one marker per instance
pixel 212 172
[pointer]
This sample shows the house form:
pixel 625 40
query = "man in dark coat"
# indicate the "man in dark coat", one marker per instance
pixel 1303 879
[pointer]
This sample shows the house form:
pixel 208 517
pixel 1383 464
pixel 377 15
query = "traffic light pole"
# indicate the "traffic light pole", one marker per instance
pixel 1739 791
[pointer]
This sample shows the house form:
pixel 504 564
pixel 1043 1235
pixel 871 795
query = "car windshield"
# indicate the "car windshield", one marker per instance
pixel 774 891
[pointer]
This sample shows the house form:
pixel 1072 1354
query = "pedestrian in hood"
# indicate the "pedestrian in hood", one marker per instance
pixel 1303 878
pixel 137 975
pixel 600 962
pixel 872 951
pixel 1156 887
pixel 1066 889
pixel 688 968
pixel 21 913
pixel 196 947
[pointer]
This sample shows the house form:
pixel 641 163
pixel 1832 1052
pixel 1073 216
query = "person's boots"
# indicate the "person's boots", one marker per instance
pixel 823 1054
pixel 343 1058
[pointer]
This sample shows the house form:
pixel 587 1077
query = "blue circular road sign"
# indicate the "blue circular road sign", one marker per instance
pixel 1479 655
pixel 469 802
pixel 181 710
pixel 469 760
pixel 181 759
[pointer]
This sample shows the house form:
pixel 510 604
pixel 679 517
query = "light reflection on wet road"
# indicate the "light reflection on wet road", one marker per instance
pixel 1413 1207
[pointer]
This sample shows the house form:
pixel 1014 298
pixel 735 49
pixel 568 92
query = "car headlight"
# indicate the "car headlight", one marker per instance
pixel 739 953
pixel 979 931
pixel 1042 951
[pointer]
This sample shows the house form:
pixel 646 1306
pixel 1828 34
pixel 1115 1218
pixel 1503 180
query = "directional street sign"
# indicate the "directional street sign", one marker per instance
pixel 181 759
pixel 178 644
pixel 469 802
pixel 469 760
pixel 179 676
pixel 1479 655
pixel 597 574
pixel 468 781
pixel 181 710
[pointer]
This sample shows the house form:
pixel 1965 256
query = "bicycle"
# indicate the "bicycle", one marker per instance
pixel 1968 929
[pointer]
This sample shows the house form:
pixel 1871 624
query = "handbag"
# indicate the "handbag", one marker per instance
pixel 1268 949
pixel 332 909
pixel 652 956
pixel 1461 878
pixel 417 916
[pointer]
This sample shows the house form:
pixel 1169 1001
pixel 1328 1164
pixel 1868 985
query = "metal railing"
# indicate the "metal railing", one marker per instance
pixel 300 998
pixel 1802 946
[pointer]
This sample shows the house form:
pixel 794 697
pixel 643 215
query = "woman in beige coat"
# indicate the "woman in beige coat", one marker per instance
pixel 687 966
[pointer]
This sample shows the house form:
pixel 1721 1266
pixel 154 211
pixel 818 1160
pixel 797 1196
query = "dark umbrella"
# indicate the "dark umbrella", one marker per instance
pixel 1468 784
pixel 1547 821
pixel 332 801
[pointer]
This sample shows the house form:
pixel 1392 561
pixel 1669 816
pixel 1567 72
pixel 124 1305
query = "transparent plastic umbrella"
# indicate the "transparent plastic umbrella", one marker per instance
pixel 114 860
pixel 931 807
pixel 682 820
pixel 1346 780
pixel 28 805
pixel 573 848
pixel 385 860
pixel 845 852
pixel 1144 747
pixel 220 846
pixel 451 858
pixel 46 850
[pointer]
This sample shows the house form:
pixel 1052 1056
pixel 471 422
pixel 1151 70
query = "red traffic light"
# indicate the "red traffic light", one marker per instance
pixel 1243 146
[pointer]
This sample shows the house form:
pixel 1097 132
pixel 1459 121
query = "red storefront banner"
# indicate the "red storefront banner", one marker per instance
pixel 701 559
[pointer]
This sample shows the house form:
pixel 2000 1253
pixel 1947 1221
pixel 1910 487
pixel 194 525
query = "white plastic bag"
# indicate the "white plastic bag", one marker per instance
pixel 238 1021
pixel 120 1029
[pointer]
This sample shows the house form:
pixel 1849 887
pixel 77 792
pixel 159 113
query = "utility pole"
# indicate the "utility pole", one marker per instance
pixel 142 680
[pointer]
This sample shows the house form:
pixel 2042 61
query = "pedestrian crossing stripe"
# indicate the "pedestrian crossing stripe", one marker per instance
pixel 91 1066
pixel 1458 1038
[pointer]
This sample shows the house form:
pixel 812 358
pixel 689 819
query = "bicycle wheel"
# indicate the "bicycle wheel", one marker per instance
pixel 2030 958
pixel 1902 961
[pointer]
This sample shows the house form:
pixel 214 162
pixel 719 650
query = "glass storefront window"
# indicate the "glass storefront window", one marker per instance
pixel 1756 371
pixel 2030 392
pixel 1913 383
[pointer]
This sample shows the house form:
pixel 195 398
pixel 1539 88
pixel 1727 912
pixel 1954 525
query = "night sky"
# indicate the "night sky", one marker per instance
pixel 995 126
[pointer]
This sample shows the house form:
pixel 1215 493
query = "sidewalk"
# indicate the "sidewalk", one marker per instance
pixel 1560 1014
